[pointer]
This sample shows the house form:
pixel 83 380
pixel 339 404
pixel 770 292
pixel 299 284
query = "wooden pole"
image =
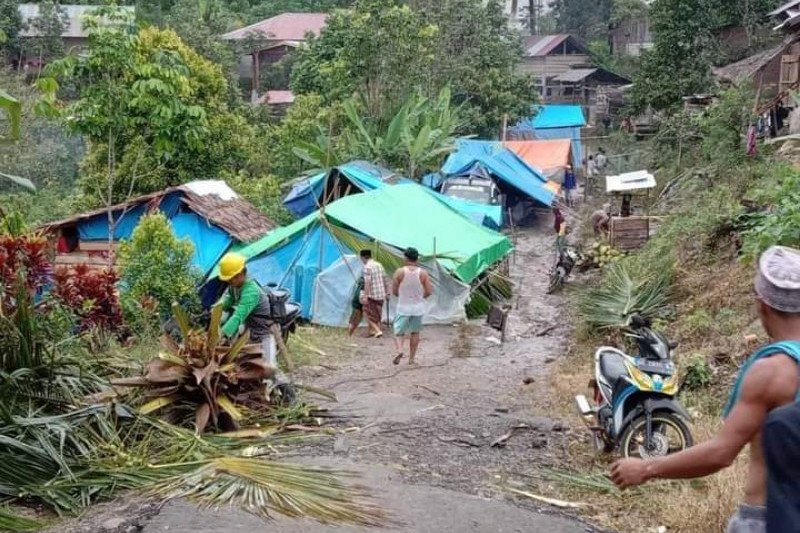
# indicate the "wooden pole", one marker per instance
pixel 505 127
pixel 275 329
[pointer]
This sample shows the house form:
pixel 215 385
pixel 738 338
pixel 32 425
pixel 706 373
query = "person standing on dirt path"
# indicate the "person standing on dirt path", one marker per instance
pixel 357 313
pixel 412 286
pixel 375 292
pixel 768 381
pixel 570 184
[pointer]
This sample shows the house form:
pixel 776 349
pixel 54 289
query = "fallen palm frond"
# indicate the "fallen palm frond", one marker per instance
pixel 491 288
pixel 213 382
pixel 624 293
pixel 12 522
pixel 260 486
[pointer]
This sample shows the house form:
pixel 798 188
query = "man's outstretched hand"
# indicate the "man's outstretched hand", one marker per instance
pixel 628 473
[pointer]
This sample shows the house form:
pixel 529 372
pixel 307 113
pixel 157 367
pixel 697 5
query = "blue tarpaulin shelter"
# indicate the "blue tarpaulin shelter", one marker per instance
pixel 521 183
pixel 360 176
pixel 207 213
pixel 555 122
pixel 354 177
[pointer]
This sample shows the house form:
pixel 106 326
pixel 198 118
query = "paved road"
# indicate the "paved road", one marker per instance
pixel 417 509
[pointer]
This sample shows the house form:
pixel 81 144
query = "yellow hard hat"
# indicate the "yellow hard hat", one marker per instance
pixel 230 265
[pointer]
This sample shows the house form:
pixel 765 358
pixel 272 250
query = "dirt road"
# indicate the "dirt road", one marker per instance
pixel 425 443
pixel 427 438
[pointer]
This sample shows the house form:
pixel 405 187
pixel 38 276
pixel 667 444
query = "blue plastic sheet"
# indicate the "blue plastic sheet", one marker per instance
pixel 96 227
pixel 559 116
pixel 305 196
pixel 210 242
pixel 502 163
pixel 296 264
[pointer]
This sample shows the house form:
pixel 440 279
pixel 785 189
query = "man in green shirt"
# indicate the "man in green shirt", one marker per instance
pixel 250 305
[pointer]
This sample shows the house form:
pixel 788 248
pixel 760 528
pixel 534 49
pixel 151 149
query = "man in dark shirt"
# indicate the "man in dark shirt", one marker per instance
pixel 781 441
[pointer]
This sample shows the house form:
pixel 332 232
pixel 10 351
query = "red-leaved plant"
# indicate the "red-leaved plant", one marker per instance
pixel 91 294
pixel 22 258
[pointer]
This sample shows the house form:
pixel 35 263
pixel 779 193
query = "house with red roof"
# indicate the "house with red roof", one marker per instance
pixel 271 41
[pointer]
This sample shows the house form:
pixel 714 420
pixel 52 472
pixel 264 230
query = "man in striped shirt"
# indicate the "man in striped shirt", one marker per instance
pixel 374 294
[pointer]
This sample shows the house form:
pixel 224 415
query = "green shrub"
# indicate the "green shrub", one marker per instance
pixel 778 225
pixel 154 264
pixel 699 322
pixel 698 372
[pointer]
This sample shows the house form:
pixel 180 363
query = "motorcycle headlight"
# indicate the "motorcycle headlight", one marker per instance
pixel 640 379
pixel 670 386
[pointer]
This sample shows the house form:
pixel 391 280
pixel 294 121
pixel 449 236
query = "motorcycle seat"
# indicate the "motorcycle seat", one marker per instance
pixel 612 366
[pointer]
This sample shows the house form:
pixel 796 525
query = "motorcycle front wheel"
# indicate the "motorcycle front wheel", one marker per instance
pixel 670 435
pixel 556 281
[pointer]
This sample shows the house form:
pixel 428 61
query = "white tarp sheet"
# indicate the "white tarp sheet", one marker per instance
pixel 335 286
pixel 631 181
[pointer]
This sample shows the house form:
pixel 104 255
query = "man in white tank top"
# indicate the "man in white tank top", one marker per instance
pixel 411 286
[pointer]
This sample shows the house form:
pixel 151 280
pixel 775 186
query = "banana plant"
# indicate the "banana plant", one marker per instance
pixel 412 140
pixel 200 375
pixel 13 108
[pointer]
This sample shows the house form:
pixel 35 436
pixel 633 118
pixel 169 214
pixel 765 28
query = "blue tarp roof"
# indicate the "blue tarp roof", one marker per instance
pixel 557 122
pixel 305 195
pixel 209 241
pixel 303 198
pixel 559 116
pixel 501 162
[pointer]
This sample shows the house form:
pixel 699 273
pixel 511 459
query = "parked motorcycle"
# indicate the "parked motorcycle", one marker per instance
pixel 636 409
pixel 566 260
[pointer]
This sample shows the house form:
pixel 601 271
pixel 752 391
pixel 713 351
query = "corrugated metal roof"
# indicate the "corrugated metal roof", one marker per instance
pixel 283 27
pixel 74 13
pixel 575 75
pixel 542 45
pixel 277 97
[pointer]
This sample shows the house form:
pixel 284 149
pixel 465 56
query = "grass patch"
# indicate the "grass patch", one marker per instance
pixel 318 345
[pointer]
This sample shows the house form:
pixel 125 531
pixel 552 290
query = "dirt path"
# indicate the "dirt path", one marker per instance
pixel 425 434
pixel 424 443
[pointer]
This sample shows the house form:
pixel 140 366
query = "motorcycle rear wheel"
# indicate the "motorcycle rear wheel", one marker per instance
pixel 666 427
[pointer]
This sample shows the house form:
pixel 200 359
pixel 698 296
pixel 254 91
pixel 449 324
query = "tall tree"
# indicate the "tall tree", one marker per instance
pixel 476 54
pixel 586 19
pixel 381 48
pixel 154 112
pixel 679 63
pixel 10 25
pixel 387 51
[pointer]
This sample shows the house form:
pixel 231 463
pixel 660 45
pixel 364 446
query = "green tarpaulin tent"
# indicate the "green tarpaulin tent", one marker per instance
pixel 403 216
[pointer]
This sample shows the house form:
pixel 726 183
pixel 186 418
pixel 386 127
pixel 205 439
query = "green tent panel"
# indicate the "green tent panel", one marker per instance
pixel 401 217
pixel 409 216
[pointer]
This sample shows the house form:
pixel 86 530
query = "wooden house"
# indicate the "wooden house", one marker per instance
pixel 207 213
pixel 630 37
pixel 548 56
pixel 273 38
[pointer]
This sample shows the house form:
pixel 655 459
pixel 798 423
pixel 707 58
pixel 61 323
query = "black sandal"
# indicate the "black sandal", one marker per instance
pixel 397 359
